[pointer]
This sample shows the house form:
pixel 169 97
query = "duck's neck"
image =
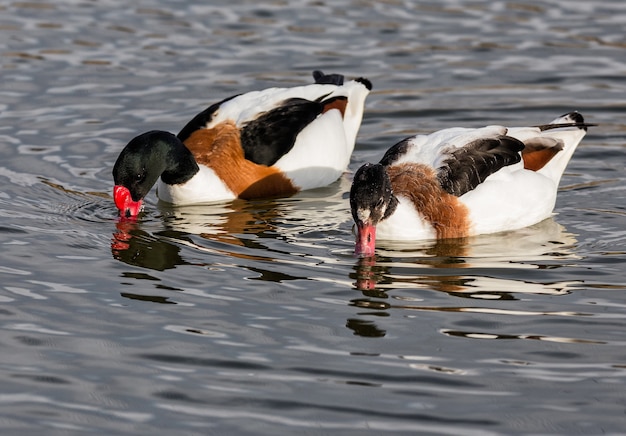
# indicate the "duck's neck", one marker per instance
pixel 180 165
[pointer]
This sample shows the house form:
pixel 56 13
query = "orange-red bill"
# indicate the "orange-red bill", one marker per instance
pixel 365 240
pixel 125 203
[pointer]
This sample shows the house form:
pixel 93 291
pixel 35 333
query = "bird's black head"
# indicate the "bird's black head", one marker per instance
pixel 371 200
pixel 140 164
pixel 371 194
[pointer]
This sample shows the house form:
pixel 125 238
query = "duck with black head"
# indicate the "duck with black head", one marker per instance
pixel 268 143
pixel 461 182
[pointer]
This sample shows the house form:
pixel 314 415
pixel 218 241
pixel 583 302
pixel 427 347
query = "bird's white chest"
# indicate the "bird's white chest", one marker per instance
pixel 405 224
pixel 204 187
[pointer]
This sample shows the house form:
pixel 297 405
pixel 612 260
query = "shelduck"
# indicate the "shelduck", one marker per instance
pixel 273 142
pixel 461 182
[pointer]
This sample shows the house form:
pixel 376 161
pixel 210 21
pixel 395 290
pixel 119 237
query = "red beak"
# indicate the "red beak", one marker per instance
pixel 365 240
pixel 124 202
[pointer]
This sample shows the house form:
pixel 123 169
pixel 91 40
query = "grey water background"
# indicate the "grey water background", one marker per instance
pixel 254 317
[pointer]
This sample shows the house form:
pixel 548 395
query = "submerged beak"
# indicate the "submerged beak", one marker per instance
pixel 125 203
pixel 365 240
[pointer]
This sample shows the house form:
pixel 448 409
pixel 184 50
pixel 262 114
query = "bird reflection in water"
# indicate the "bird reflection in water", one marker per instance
pixel 467 268
pixel 374 279
pixel 237 229
pixel 222 225
pixel 134 246
pixel 227 230
pixel 372 276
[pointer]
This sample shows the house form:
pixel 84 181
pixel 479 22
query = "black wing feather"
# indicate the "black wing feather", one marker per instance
pixel 273 134
pixel 469 166
pixel 395 152
pixel 201 120
pixel 328 79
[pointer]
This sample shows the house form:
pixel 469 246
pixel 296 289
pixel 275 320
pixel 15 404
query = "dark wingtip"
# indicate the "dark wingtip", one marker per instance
pixel 365 82
pixel 574 119
pixel 337 79
pixel 327 79
pixel 396 151
pixel 579 120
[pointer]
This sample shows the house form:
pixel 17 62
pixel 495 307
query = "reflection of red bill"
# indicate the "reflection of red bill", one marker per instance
pixel 125 203
pixel 122 236
pixel 366 284
pixel 366 278
pixel 117 245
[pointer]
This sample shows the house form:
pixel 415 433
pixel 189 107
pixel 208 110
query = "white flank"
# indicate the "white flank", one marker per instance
pixel 510 199
pixel 405 224
pixel 204 187
pixel 320 154
pixel 356 92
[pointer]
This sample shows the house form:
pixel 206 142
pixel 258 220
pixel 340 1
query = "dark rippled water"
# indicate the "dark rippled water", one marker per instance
pixel 253 317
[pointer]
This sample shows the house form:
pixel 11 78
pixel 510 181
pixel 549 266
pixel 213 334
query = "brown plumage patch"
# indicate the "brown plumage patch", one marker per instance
pixel 339 103
pixel 219 148
pixel 444 211
pixel 539 151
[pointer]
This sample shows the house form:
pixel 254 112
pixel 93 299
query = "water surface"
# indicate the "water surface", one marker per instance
pixel 254 317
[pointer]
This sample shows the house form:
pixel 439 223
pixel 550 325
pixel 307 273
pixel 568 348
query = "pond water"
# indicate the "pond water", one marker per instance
pixel 254 317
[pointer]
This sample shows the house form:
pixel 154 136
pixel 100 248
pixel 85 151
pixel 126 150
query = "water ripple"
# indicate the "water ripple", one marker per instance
pixel 254 317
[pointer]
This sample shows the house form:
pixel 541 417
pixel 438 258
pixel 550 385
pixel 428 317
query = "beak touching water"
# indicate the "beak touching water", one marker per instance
pixel 125 203
pixel 365 240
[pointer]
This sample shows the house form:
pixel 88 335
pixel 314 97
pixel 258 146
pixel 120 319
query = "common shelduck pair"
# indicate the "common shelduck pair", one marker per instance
pixel 453 183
